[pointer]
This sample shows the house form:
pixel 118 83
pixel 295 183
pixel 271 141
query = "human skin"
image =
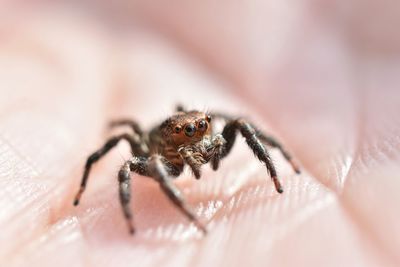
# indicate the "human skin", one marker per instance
pixel 329 92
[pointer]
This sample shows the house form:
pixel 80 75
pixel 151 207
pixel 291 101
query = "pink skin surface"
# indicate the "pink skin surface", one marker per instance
pixel 323 76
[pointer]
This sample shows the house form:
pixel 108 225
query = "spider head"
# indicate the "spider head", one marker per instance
pixel 185 128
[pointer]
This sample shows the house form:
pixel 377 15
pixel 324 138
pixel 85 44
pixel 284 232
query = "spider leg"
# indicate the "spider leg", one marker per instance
pixel 271 141
pixel 127 122
pixel 250 134
pixel 194 159
pixel 138 145
pixel 180 108
pixel 112 142
pixel 217 150
pixel 135 164
pixel 157 169
pixel 275 143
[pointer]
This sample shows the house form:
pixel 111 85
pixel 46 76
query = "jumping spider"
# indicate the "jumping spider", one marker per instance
pixel 183 138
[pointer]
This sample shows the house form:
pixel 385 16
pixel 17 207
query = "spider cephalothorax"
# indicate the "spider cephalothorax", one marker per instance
pixel 185 138
pixel 185 128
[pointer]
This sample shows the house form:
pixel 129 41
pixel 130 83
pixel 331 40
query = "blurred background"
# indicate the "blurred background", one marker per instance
pixel 323 76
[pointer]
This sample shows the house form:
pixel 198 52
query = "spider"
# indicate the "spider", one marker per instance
pixel 184 138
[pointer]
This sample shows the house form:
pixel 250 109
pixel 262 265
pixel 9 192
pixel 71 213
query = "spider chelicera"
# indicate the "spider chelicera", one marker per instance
pixel 183 138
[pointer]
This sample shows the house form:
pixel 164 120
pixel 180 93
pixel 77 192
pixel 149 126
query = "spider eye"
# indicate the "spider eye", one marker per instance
pixel 178 129
pixel 190 129
pixel 202 126
pixel 208 118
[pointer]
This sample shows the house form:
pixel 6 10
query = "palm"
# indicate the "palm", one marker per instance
pixel 62 82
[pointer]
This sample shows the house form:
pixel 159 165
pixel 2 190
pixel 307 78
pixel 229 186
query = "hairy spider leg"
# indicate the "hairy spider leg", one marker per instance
pixel 128 122
pixel 273 142
pixel 135 164
pixel 249 133
pixel 180 108
pixel 112 142
pixel 267 139
pixel 160 169
pixel 217 150
pixel 194 160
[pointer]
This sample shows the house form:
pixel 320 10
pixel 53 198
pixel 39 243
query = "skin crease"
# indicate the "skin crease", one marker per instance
pixel 326 84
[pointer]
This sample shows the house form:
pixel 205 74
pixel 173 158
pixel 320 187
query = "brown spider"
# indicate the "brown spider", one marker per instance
pixel 183 138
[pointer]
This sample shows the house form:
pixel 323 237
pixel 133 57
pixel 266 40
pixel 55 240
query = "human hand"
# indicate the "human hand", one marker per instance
pixel 64 77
